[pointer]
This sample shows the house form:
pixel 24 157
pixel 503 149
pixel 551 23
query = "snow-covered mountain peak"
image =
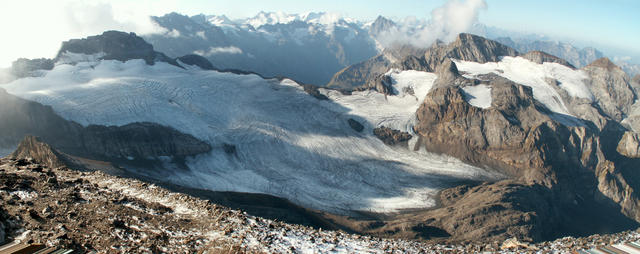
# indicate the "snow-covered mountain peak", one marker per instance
pixel 536 76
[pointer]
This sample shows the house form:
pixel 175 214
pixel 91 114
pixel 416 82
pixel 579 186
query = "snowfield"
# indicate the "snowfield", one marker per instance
pixel 288 143
pixel 534 75
pixel 478 96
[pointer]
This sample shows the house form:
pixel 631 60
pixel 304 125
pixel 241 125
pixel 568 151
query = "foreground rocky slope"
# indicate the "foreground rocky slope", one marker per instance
pixel 89 211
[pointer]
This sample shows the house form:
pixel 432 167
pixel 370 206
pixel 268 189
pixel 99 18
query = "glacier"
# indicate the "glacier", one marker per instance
pixel 534 75
pixel 288 143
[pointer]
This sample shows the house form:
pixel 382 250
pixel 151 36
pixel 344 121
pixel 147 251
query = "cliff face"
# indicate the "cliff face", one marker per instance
pixel 542 57
pixel 611 87
pixel 19 118
pixel 32 147
pixel 466 47
pixel 557 165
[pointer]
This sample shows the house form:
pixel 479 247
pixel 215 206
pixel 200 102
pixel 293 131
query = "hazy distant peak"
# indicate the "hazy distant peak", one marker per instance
pixel 604 62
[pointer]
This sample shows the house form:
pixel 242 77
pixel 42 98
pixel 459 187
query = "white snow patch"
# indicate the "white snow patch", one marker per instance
pixel 478 95
pixel 532 74
pixel 288 144
pixel 24 195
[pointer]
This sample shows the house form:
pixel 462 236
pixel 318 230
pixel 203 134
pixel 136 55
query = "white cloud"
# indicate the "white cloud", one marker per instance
pixel 35 29
pixel 621 58
pixel 219 50
pixel 173 33
pixel 201 35
pixel 447 21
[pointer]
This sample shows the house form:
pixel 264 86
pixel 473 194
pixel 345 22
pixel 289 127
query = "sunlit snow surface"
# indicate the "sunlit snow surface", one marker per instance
pixel 525 72
pixel 478 95
pixel 289 144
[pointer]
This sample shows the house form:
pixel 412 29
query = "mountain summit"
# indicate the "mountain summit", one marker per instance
pixel 111 45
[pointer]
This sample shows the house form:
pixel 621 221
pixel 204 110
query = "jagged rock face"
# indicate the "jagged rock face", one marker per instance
pixel 380 25
pixel 19 118
pixel 611 87
pixel 542 57
pixel 629 145
pixel 360 73
pixel 390 136
pixel 474 48
pixel 32 147
pixel 511 135
pixel 141 140
pixel 25 67
pixel 381 84
pixel 518 136
pixel 197 61
pixel 467 47
pixel 115 45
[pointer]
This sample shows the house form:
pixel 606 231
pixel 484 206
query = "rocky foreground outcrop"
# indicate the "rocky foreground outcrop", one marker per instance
pixel 91 211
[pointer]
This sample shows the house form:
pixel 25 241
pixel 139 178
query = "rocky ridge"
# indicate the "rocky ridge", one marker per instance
pixel 133 141
pixel 466 47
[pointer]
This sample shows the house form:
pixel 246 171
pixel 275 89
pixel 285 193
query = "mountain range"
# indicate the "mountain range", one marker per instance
pixel 469 140
pixel 279 44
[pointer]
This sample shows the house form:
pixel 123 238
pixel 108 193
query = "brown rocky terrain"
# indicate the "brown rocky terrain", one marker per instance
pixel 611 87
pixel 542 57
pixel 390 136
pixel 560 169
pixel 93 211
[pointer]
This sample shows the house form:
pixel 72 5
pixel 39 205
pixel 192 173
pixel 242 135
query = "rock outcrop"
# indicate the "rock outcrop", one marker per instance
pixel 629 145
pixel 34 149
pixel 140 140
pixel 556 169
pixel 380 26
pixel 611 88
pixel 20 118
pixel 197 60
pixel 26 67
pixel 390 136
pixel 542 57
pixel 466 47
pixel 115 45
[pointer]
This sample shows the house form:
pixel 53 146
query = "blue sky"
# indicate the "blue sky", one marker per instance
pixel 604 23
pixel 612 26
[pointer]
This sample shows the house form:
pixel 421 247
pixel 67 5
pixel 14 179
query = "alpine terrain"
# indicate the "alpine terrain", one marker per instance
pixel 312 134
